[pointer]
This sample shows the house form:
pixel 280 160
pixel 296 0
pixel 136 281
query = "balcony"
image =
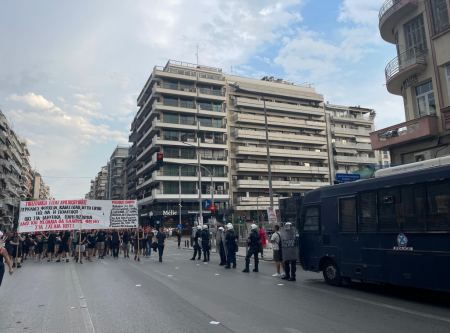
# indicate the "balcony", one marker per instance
pixel 406 132
pixel 391 13
pixel 280 185
pixel 278 152
pixel 176 89
pixel 277 106
pixel 278 121
pixel 411 62
pixel 353 145
pixel 355 160
pixel 351 132
pixel 280 137
pixel 285 169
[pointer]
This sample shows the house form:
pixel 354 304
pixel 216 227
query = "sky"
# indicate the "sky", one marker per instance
pixel 70 71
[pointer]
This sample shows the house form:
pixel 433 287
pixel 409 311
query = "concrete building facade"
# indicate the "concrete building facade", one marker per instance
pixel 116 167
pixel 98 188
pixel 349 133
pixel 182 115
pixel 296 136
pixel 420 30
pixel 17 179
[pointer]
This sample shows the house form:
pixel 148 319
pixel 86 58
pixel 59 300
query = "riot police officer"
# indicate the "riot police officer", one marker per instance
pixel 197 249
pixel 205 243
pixel 253 243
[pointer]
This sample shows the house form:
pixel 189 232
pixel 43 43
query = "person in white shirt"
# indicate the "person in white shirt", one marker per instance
pixel 276 245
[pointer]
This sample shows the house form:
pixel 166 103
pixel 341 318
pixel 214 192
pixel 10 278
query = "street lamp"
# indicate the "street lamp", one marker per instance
pixel 199 167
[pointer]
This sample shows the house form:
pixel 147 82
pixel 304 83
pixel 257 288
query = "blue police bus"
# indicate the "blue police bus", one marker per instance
pixel 394 228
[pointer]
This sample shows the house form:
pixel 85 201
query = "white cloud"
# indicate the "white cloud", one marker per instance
pixel 227 33
pixel 34 100
pixel 360 12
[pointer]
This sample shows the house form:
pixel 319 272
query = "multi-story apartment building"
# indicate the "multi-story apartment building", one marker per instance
pixel 349 133
pixel 420 30
pixel 182 115
pixel 198 115
pixel 296 139
pixel 40 189
pixel 16 176
pixel 116 167
pixel 99 185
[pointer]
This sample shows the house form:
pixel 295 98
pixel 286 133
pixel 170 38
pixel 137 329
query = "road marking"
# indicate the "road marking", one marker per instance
pixel 170 275
pixel 212 322
pixel 280 284
pixel 217 274
pixel 83 304
pixel 138 285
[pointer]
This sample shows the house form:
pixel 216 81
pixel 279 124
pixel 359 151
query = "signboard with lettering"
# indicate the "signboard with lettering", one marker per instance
pixel 52 215
pixel 347 177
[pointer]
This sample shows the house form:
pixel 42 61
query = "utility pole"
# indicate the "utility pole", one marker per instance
pixel 269 167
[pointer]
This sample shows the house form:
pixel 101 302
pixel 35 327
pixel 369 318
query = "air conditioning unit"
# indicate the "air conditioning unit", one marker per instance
pixel 219 188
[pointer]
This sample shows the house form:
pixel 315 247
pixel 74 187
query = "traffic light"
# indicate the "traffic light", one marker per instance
pixel 159 159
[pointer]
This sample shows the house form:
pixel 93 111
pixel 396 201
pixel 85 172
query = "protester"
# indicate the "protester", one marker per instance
pixel 253 244
pixel 80 247
pixel 277 253
pixel 64 246
pixel 4 257
pixel 100 243
pixel 205 243
pixel 160 237
pixel 263 238
pixel 91 244
pixel 126 244
pixel 289 241
pixel 220 245
pixel 115 244
pixel 178 233
pixel 231 246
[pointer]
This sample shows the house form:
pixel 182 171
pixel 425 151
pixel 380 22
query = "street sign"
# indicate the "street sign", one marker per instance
pixel 271 215
pixel 347 177
pixel 206 203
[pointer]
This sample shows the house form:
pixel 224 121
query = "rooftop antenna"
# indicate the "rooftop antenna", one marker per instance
pixel 196 54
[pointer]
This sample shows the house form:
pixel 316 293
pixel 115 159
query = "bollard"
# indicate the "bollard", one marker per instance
pixel 188 243
pixel 185 243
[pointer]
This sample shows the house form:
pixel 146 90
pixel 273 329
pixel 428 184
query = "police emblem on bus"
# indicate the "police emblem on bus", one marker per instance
pixel 402 243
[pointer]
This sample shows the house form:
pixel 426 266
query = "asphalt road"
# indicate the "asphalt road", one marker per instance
pixel 180 295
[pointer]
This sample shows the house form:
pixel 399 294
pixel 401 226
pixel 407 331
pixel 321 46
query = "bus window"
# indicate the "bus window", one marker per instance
pixel 347 214
pixel 389 210
pixel 413 208
pixel 439 206
pixel 367 212
pixel 312 219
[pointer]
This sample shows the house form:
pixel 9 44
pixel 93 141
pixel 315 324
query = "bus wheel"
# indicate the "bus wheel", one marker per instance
pixel 331 273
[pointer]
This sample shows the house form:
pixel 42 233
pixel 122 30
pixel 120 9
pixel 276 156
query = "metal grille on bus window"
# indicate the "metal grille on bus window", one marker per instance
pixel 413 213
pixel 311 219
pixel 439 206
pixel 389 209
pixel 368 212
pixel 347 214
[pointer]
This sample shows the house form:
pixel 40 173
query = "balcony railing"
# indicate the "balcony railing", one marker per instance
pixel 391 13
pixel 411 57
pixel 180 87
pixel 208 91
pixel 405 132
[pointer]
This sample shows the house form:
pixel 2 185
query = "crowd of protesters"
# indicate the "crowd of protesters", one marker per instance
pixel 89 244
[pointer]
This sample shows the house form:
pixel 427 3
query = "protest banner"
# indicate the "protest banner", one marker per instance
pixel 52 215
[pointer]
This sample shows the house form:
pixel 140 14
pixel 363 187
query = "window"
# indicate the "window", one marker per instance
pixel 207 122
pixel 425 99
pixel 170 101
pixel 347 214
pixel 447 75
pixel 188 153
pixel 311 219
pixel 171 135
pixel 415 33
pixel 439 206
pixel 189 171
pixel 388 206
pixel 413 211
pixel 171 188
pixel 170 170
pixel 188 187
pixel 187 120
pixel 440 15
pixel 368 212
pixel 171 118
pixel 170 152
